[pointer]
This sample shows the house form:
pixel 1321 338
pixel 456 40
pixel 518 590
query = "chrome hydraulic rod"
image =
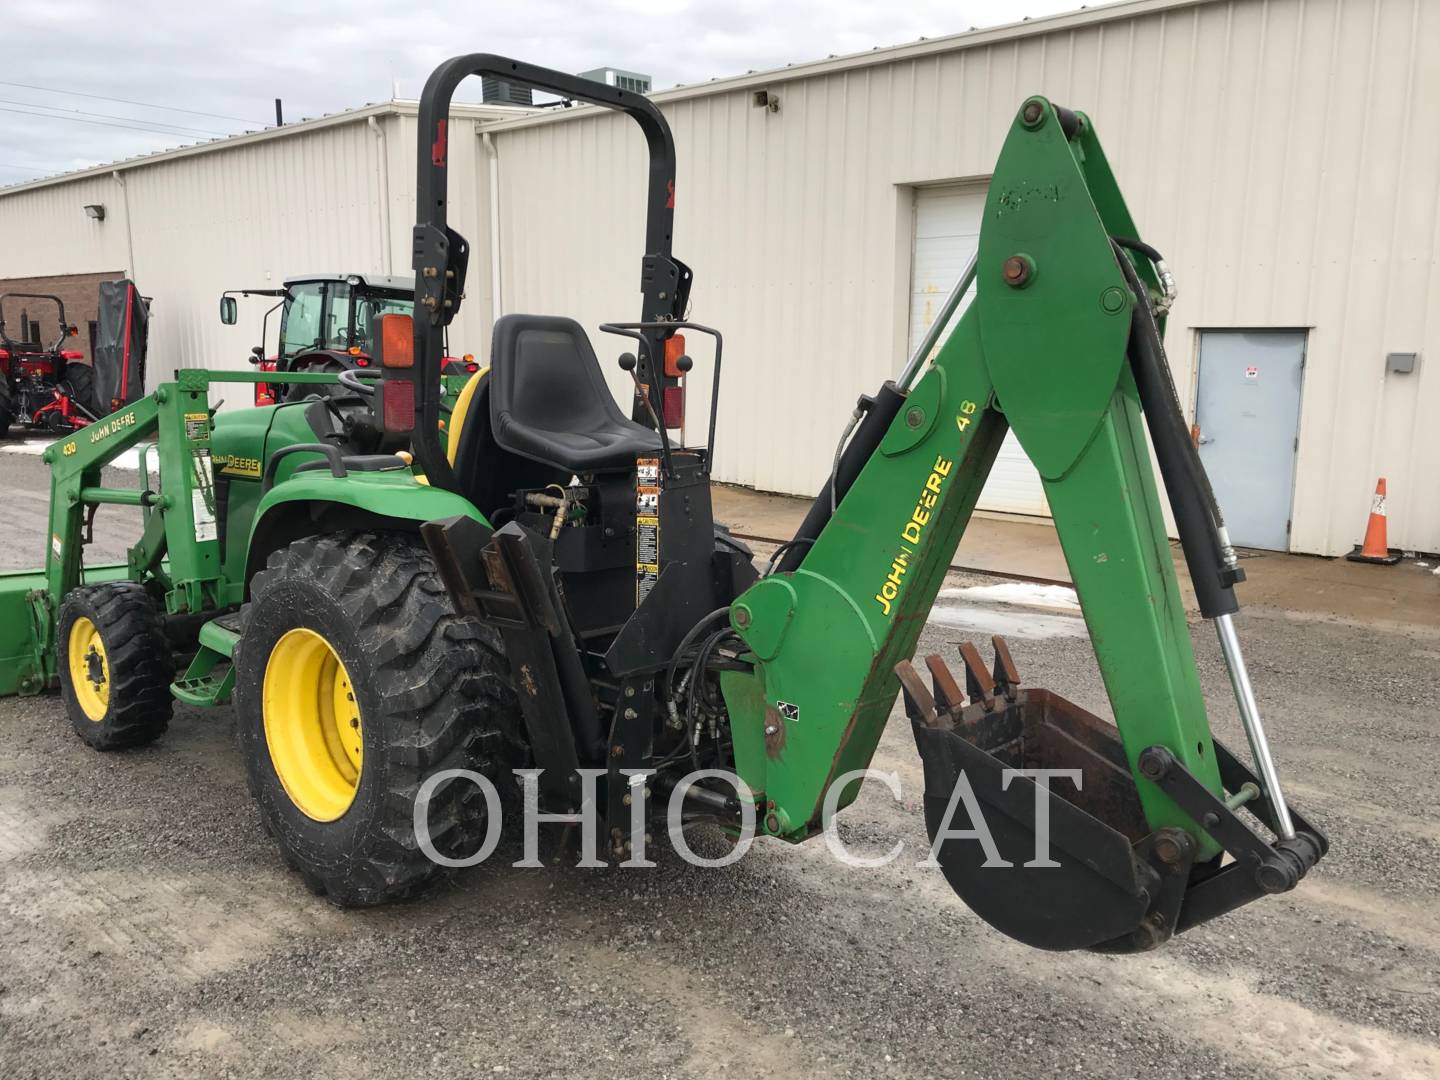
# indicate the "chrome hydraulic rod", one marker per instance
pixel 1254 729
pixel 937 327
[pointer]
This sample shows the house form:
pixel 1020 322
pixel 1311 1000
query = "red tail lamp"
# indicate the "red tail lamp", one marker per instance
pixel 397 353
pixel 672 406
pixel 398 401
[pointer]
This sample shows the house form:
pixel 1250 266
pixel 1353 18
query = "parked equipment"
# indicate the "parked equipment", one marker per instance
pixel 328 323
pixel 44 387
pixel 121 343
pixel 555 594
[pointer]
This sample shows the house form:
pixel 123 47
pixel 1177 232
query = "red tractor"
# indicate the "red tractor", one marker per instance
pixel 45 388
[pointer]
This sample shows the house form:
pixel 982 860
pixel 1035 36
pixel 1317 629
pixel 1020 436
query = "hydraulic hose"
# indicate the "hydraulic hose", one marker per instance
pixel 878 415
pixel 1192 500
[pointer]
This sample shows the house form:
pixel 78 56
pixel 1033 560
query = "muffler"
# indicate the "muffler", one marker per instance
pixel 1036 821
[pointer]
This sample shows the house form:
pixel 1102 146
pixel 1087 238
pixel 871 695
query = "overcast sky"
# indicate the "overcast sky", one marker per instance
pixel 234 60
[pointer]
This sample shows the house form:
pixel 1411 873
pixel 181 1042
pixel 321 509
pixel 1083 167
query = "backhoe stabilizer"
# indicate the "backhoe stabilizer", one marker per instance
pixel 1062 347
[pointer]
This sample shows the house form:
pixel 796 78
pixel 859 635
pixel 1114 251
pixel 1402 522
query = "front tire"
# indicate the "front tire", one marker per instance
pixel 355 681
pixel 115 665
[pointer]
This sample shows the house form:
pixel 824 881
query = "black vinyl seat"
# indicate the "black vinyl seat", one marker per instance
pixel 549 401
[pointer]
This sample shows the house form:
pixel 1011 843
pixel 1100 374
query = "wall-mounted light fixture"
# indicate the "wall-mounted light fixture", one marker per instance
pixel 96 211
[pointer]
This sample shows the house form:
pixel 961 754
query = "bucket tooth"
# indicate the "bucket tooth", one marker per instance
pixel 919 703
pixel 1007 678
pixel 948 695
pixel 978 680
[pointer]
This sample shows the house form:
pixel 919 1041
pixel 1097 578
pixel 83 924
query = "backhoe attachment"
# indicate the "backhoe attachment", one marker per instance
pixel 1037 824
pixel 1144 831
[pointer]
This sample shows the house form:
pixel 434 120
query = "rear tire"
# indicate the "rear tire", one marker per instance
pixel 361 621
pixel 7 405
pixel 115 665
pixel 81 378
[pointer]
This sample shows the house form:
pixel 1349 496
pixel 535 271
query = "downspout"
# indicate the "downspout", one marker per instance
pixel 494 155
pixel 383 177
pixel 129 234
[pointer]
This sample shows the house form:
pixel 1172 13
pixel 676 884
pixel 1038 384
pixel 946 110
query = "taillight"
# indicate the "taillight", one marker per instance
pixel 362 361
pixel 674 349
pixel 398 400
pixel 472 367
pixel 263 394
pixel 71 354
pixel 672 406
pixel 397 342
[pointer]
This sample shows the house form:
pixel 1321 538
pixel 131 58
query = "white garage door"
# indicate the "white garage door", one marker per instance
pixel 947 229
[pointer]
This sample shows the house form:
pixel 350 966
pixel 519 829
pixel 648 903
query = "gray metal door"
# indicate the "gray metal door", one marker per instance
pixel 1248 413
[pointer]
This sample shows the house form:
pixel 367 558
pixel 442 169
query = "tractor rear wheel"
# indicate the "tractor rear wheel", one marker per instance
pixel 356 680
pixel 7 405
pixel 115 665
pixel 81 378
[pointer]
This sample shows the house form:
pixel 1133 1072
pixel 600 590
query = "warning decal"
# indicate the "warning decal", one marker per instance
pixel 197 427
pixel 647 527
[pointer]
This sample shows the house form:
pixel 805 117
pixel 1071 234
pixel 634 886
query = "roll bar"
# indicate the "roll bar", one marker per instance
pixel 440 253
pixel 60 304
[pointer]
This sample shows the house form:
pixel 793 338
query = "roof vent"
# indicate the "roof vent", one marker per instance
pixel 495 91
pixel 633 81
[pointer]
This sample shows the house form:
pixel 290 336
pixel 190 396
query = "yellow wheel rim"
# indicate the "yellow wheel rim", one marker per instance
pixel 312 725
pixel 89 669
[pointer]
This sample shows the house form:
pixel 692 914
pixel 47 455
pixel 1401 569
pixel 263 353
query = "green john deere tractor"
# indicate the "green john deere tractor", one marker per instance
pixel 402 577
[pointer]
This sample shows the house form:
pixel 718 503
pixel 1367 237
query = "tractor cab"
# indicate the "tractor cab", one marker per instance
pixel 328 323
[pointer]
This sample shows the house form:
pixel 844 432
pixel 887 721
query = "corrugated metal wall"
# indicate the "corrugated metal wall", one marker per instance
pixel 246 215
pixel 1282 153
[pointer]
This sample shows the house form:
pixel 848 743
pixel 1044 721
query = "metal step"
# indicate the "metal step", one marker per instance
pixel 210 678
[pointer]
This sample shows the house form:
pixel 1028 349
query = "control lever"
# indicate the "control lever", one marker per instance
pixel 628 363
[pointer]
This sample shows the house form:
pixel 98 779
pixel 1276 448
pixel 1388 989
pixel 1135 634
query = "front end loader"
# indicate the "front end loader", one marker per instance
pixel 402 581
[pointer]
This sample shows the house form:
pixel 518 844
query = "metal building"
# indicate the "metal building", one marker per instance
pixel 331 194
pixel 1281 153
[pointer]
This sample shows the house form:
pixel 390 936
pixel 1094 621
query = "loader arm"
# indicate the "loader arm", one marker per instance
pixel 1043 352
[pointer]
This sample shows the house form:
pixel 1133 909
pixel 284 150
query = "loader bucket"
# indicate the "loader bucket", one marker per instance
pixel 27 624
pixel 1072 863
pixel 20 666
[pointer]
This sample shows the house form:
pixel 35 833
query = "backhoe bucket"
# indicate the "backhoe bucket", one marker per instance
pixel 1068 861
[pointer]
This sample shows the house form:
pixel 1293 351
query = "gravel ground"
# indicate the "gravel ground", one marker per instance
pixel 148 927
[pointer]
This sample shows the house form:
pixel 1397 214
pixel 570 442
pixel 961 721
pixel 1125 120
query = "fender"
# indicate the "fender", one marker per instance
pixel 314 502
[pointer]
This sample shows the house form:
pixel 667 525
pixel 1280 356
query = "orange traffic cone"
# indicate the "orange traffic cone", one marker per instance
pixel 1376 548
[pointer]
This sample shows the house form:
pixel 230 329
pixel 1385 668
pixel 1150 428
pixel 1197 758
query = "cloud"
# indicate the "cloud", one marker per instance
pixel 232 61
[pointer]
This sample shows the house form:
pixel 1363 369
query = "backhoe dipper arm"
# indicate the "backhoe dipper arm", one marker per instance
pixel 1042 352
pixel 440 253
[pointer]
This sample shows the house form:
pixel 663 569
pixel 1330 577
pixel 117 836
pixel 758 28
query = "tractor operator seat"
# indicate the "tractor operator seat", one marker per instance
pixel 549 401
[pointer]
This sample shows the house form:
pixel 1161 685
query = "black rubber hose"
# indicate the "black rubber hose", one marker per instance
pixel 1069 122
pixel 868 434
pixel 1140 246
pixel 1188 488
pixel 1144 313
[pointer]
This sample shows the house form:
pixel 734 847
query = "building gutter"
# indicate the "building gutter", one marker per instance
pixel 492 152
pixel 383 180
pixel 129 232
